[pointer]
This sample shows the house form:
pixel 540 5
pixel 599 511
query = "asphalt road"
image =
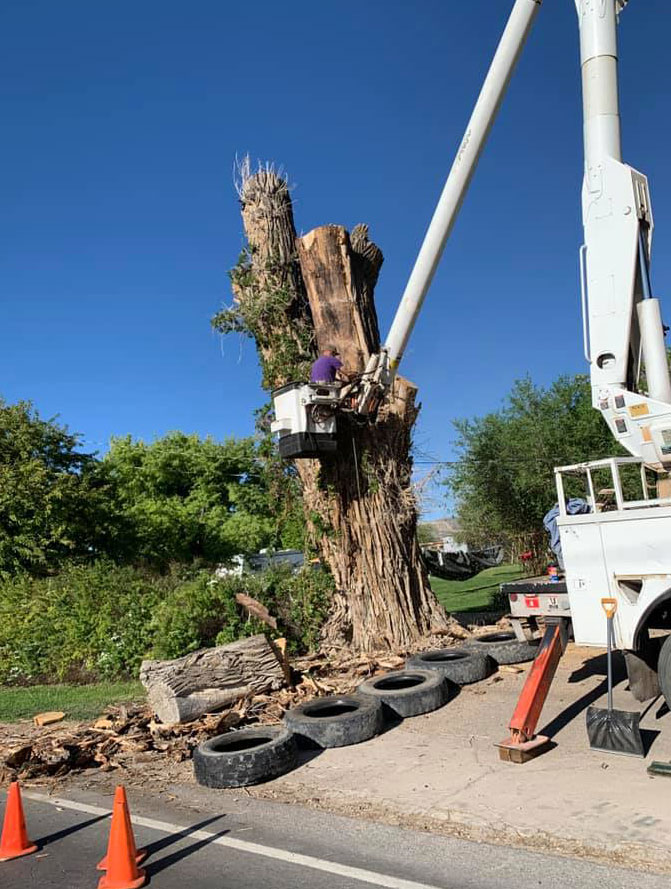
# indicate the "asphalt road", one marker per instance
pixel 241 843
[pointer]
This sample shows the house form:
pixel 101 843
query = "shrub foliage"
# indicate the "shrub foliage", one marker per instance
pixel 97 621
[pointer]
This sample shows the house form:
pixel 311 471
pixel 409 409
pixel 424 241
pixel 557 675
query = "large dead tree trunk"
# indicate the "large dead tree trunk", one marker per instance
pixel 358 503
pixel 367 527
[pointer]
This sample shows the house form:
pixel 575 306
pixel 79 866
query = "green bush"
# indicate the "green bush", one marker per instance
pixel 204 612
pixel 88 622
pixel 97 621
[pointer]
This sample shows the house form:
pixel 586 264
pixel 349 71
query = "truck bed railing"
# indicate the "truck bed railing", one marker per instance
pixel 615 498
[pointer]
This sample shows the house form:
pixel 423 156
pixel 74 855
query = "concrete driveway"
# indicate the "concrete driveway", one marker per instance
pixel 442 772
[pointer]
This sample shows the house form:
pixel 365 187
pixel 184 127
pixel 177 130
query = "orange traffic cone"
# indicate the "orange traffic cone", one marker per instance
pixel 120 861
pixel 14 841
pixel 138 854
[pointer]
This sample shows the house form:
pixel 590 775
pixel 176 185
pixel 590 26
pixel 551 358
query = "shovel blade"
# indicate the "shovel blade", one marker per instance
pixel 615 731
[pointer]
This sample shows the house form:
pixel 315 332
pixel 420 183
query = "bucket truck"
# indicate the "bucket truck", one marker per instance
pixel 621 547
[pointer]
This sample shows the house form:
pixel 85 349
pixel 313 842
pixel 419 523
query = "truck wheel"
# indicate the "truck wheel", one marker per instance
pixel 336 721
pixel 664 670
pixel 504 648
pixel 455 664
pixel 408 692
pixel 248 756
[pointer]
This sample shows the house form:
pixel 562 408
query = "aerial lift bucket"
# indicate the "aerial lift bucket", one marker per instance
pixel 609 730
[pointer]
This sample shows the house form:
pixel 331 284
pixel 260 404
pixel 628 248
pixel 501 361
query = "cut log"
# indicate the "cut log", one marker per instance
pixel 207 680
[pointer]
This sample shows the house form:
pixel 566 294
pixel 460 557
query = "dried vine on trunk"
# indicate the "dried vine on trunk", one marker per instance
pixel 294 296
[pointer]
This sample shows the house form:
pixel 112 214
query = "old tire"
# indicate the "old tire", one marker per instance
pixel 503 647
pixel 248 756
pixel 454 664
pixel 664 670
pixel 336 721
pixel 408 692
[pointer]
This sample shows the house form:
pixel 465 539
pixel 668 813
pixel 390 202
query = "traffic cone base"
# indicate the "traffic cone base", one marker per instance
pixel 4 856
pixel 106 883
pixel 14 842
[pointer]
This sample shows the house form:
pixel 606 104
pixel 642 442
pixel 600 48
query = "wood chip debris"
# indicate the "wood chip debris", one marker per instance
pixel 49 717
pixel 125 735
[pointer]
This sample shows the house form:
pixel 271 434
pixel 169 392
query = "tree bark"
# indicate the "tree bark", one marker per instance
pixel 368 519
pixel 359 504
pixel 184 689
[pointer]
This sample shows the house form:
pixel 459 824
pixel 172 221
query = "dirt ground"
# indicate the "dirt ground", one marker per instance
pixel 441 772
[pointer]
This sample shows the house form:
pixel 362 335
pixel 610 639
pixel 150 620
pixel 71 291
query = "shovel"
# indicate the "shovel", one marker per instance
pixel 613 731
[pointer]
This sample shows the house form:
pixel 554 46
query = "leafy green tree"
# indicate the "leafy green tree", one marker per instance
pixel 52 503
pixel 183 498
pixel 503 481
pixel 178 499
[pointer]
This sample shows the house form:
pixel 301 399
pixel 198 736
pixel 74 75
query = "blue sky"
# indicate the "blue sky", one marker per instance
pixel 121 123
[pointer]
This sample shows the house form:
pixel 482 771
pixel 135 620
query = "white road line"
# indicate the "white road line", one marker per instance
pixel 331 867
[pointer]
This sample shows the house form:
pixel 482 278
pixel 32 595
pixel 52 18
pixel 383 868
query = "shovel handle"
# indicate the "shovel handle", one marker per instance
pixel 609 606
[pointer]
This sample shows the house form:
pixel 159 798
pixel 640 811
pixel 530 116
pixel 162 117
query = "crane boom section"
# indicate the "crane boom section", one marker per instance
pixel 484 114
pixel 622 319
pixel 381 368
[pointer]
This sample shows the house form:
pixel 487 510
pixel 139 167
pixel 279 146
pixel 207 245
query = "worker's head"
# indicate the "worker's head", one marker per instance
pixel 332 351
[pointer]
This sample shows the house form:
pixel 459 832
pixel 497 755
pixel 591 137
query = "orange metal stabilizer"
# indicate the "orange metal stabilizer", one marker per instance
pixel 530 704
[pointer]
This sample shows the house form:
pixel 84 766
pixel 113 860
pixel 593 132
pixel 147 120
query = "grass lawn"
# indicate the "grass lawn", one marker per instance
pixel 76 701
pixel 477 593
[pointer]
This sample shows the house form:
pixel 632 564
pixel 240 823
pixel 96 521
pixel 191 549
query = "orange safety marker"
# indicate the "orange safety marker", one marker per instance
pixel 138 854
pixel 14 841
pixel 120 861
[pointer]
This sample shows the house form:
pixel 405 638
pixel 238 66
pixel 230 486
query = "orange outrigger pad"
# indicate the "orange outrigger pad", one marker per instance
pixel 523 744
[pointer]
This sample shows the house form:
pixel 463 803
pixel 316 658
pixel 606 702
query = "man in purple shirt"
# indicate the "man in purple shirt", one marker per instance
pixel 327 368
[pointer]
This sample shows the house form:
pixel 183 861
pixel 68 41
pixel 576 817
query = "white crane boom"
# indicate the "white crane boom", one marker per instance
pixel 484 114
pixel 621 318
pixel 381 368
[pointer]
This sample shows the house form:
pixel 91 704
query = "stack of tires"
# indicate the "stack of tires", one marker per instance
pixel 428 681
